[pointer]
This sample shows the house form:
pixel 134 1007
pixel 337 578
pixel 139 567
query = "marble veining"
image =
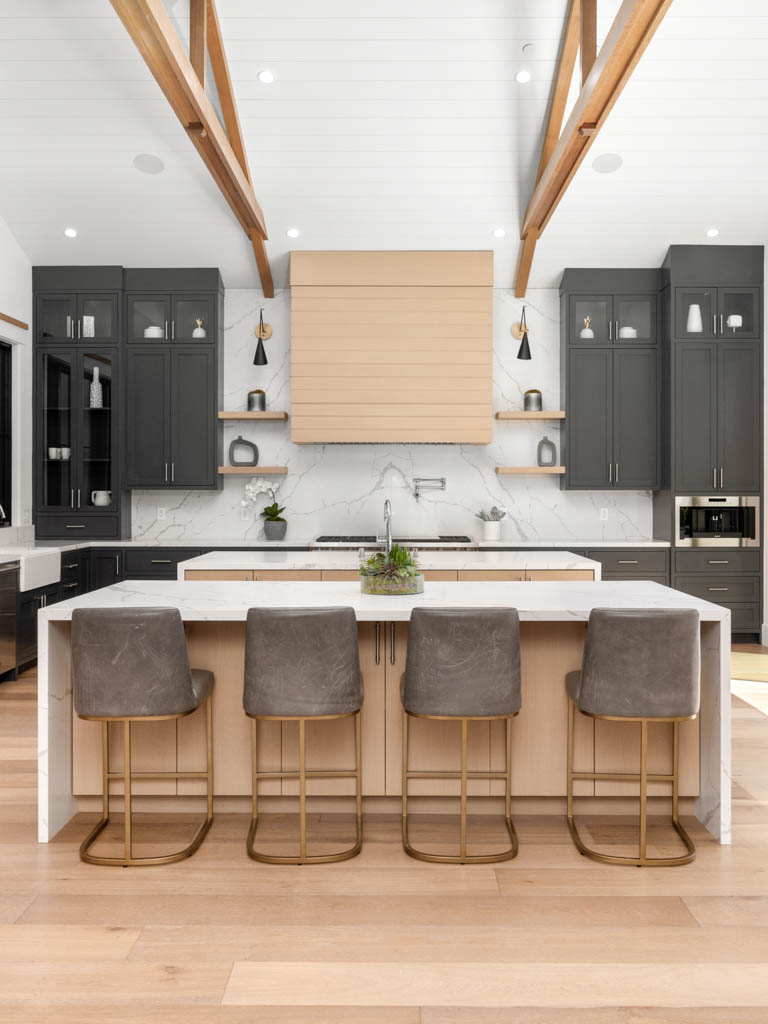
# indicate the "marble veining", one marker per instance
pixel 342 488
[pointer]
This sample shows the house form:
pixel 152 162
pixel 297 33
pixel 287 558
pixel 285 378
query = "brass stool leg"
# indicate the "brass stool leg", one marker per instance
pixel 128 860
pixel 303 775
pixel 643 777
pixel 463 775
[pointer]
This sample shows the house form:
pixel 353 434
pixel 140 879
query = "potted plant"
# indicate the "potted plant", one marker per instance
pixel 274 524
pixel 393 573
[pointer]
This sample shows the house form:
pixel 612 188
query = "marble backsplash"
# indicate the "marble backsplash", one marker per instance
pixel 341 488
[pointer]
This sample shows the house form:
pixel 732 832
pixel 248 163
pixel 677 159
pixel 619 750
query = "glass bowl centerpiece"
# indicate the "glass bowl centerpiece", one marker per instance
pixel 393 573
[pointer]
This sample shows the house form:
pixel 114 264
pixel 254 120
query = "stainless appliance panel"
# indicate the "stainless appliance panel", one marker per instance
pixel 717 521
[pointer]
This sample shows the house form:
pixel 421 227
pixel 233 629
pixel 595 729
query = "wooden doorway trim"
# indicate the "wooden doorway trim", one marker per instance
pixel 220 146
pixel 629 35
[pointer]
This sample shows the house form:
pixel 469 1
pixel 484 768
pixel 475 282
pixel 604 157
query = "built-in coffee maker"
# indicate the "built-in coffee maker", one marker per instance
pixel 718 521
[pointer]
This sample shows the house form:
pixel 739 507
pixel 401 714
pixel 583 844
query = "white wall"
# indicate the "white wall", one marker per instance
pixel 16 301
pixel 342 488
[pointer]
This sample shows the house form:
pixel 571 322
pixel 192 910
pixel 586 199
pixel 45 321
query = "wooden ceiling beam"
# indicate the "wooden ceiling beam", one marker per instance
pixel 160 46
pixel 588 37
pixel 198 30
pixel 224 88
pixel 629 35
pixel 569 47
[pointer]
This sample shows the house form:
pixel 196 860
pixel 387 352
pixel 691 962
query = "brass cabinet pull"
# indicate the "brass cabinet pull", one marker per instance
pixel 392 643
pixel 378 643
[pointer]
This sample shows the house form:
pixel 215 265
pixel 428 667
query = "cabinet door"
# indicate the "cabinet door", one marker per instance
pixel 97 318
pixel 738 417
pixel 147 390
pixel 106 567
pixel 634 319
pixel 56 441
pixel 147 318
pixel 55 318
pixel 598 309
pixel 738 313
pixel 695 418
pixel 695 313
pixel 590 418
pixel 636 419
pixel 29 604
pixel 193 417
pixel 96 432
pixel 186 311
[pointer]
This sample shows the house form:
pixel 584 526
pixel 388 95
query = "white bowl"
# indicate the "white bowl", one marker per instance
pixel 154 332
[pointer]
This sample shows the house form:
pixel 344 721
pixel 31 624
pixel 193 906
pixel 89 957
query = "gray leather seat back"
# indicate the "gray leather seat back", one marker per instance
pixel 130 663
pixel 463 662
pixel 301 662
pixel 641 663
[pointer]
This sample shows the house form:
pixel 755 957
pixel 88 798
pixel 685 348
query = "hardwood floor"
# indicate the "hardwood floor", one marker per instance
pixel 550 938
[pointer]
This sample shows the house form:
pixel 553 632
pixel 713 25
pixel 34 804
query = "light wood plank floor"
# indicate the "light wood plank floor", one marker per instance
pixel 547 939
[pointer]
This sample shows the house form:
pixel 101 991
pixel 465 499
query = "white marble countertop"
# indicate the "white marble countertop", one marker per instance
pixel 537 602
pixel 573 543
pixel 427 559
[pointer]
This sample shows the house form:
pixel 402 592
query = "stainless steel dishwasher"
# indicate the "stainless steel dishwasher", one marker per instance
pixel 9 582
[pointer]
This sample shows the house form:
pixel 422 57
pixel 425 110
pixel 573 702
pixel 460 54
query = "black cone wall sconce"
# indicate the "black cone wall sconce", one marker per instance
pixel 263 332
pixel 520 330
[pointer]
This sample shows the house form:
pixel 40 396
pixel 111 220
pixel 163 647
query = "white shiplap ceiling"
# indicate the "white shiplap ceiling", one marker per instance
pixel 391 124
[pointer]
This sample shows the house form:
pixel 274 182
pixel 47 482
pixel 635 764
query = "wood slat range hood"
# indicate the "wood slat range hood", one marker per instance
pixel 391 347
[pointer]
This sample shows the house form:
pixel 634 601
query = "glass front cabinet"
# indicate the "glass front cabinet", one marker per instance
pixel 177 318
pixel 612 319
pixel 714 314
pixel 76 435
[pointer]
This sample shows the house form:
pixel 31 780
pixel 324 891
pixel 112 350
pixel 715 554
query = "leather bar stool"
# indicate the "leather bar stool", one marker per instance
pixel 462 665
pixel 131 665
pixel 639 666
pixel 302 665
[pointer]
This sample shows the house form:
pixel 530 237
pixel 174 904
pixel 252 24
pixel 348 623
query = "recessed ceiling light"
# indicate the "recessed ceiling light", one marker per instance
pixel 148 163
pixel 266 77
pixel 293 232
pixel 713 232
pixel 607 163
pixel 523 76
pixel 70 232
pixel 499 232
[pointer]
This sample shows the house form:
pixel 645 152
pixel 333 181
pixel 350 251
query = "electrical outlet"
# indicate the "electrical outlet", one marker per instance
pixel 603 515
pixel 245 514
pixel 161 513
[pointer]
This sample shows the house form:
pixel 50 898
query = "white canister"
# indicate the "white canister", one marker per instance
pixel 54 454
pixel 693 324
pixel 492 530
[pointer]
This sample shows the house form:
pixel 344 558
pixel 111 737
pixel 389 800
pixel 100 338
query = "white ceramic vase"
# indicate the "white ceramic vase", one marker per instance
pixel 97 396
pixel 694 323
pixel 492 530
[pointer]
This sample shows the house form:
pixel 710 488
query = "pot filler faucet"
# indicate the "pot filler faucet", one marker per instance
pixel 388 524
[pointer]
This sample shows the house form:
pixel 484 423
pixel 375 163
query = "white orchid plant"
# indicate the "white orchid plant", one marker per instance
pixel 255 488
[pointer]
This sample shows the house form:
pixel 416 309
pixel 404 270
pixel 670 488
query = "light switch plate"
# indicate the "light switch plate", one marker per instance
pixel 603 515
pixel 161 513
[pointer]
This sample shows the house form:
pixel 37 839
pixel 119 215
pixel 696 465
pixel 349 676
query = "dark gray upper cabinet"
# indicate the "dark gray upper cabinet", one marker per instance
pixel 695 418
pixel 716 292
pixel 171 424
pixel 78 305
pixel 612 419
pixel 717 418
pixel 619 305
pixel 589 419
pixel 739 423
pixel 636 418
pixel 147 421
pixel 695 313
pixel 193 422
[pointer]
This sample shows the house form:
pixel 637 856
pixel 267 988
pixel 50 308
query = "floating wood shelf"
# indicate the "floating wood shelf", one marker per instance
pixel 256 415
pixel 539 414
pixel 529 470
pixel 252 470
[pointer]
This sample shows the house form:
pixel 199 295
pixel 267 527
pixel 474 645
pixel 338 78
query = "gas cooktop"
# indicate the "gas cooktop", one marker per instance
pixel 370 539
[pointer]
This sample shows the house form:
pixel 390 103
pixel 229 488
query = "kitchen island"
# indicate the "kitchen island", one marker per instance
pixel 553 617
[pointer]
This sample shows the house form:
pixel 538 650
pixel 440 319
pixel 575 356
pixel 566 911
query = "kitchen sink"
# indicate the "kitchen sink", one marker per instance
pixel 37 568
